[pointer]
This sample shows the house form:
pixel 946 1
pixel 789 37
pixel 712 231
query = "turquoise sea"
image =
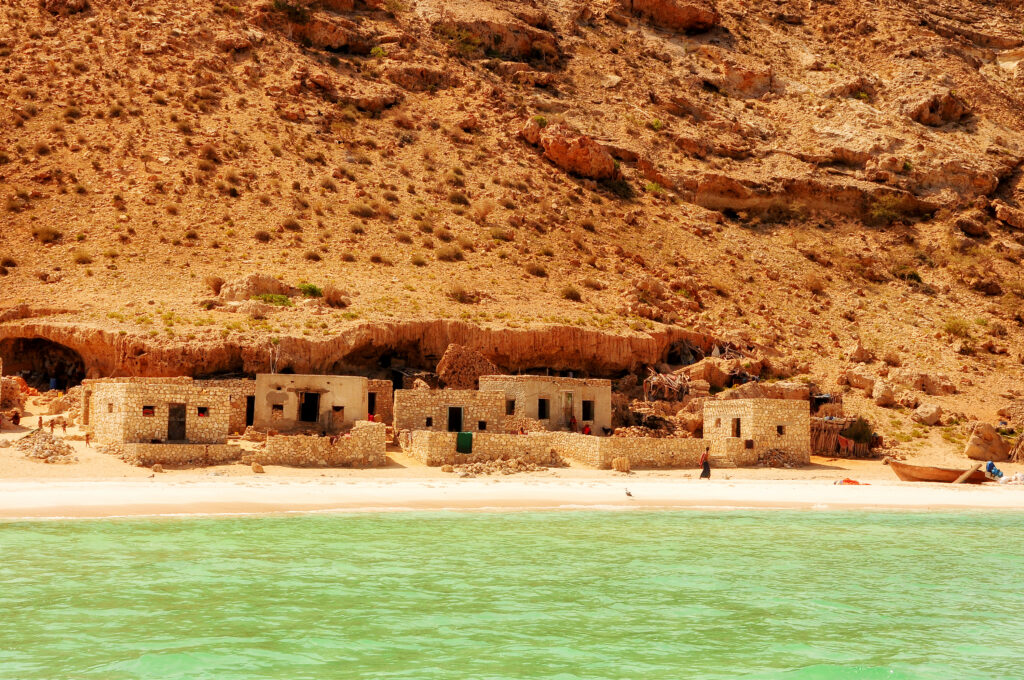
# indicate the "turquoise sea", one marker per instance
pixel 689 594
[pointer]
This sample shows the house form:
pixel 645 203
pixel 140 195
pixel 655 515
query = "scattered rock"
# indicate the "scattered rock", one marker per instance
pixel 1009 215
pixel 860 377
pixel 419 77
pixel 972 224
pixel 927 414
pixel 859 354
pixel 679 15
pixel 986 444
pixel 41 445
pixel 571 151
pixel 65 7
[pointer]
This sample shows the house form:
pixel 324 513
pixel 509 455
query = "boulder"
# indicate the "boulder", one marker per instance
pixel 934 384
pixel 935 108
pixel 689 16
pixel 861 377
pixel 255 284
pixel 859 354
pixel 927 414
pixel 986 444
pixel 1008 215
pixel 972 225
pixel 883 394
pixel 571 151
pixel 232 42
pixel 460 367
pixel 65 7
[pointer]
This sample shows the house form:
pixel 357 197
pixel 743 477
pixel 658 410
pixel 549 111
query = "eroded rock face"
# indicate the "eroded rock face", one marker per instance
pixel 253 285
pixel 476 29
pixel 986 444
pixel 419 77
pixel 689 16
pixel 571 151
pixel 1009 215
pixel 65 7
pixel 936 109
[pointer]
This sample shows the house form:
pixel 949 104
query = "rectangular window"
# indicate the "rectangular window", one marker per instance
pixel 588 410
pixel 277 407
pixel 510 407
pixel 780 429
pixel 543 409
pixel 110 408
pixel 736 430
pixel 203 411
pixel 481 425
pixel 148 411
pixel 430 422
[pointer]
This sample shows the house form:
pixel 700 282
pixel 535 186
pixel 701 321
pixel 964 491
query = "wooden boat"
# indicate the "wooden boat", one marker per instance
pixel 923 473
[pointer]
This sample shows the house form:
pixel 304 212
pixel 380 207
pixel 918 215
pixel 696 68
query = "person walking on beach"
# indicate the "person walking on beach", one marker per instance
pixel 64 427
pixel 40 423
pixel 52 426
pixel 87 439
pixel 705 472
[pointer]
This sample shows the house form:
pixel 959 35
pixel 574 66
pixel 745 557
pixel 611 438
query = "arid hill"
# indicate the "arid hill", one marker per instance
pixel 560 184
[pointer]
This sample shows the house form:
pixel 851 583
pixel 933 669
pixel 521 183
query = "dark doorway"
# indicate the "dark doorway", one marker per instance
pixel 371 403
pixel 543 410
pixel 455 419
pixel 250 410
pixel 176 423
pixel 736 431
pixel 588 410
pixel 309 407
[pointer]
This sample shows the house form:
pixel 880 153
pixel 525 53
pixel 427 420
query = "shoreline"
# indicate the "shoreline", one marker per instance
pixel 52 499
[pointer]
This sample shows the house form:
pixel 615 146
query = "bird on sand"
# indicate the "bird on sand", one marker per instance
pixel 628 493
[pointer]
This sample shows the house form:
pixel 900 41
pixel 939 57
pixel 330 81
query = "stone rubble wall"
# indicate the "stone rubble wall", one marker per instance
pixel 384 390
pixel 191 455
pixel 238 389
pixel 364 446
pixel 413 407
pixel 438 448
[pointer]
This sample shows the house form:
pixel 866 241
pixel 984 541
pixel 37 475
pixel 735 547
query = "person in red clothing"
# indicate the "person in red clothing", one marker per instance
pixel 705 472
pixel 586 429
pixel 369 417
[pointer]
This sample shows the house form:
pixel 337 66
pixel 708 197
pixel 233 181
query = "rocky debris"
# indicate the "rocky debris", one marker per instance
pixel 933 384
pixel 859 354
pixel 776 458
pixel 521 73
pixel 777 390
pixel 719 372
pixel 690 16
pixel 65 7
pixel 927 414
pixel 419 77
pixel 1010 216
pixel 735 74
pixel 318 29
pixel 11 394
pixel 621 464
pixel 936 108
pixel 251 434
pixel 257 468
pixel 460 367
pixel 986 444
pixel 157 468
pixel 571 151
pixel 860 377
pixel 232 42
pixel 255 309
pixel 41 445
pixel 882 394
pixel 972 224
pixel 255 284
pixel 476 29
pixel 507 466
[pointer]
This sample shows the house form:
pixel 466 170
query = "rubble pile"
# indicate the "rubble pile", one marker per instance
pixel 536 462
pixel 40 445
pixel 13 393
pixel 461 367
pixel 775 458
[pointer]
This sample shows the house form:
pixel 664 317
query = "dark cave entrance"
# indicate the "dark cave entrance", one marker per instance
pixel 42 363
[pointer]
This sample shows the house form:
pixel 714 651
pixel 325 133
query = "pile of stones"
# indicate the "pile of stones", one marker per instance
pixel 40 445
pixel 776 458
pixel 508 466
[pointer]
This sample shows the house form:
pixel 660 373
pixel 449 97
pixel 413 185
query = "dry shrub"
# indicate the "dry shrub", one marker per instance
pixel 572 293
pixel 214 283
pixel 536 270
pixel 593 284
pixel 335 297
pixel 81 256
pixel 892 359
pixel 450 254
pixel 462 295
pixel 263 236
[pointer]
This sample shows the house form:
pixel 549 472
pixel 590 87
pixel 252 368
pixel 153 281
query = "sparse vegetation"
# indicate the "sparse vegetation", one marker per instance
pixel 572 293
pixel 957 327
pixel 46 234
pixel 214 283
pixel 535 269
pixel 462 295
pixel 310 290
pixel 450 254
pixel 274 299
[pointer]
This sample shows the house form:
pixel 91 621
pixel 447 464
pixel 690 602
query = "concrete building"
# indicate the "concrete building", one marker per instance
pixel 150 411
pixel 449 410
pixel 328 403
pixel 761 424
pixel 554 401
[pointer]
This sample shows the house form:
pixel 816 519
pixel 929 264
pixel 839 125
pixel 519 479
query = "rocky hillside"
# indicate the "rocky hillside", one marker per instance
pixel 787 175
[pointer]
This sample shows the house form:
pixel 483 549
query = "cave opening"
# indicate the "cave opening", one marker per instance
pixel 44 364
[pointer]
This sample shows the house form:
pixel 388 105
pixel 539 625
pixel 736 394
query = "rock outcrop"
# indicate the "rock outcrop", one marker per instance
pixel 573 152
pixel 986 444
pixel 927 414
pixel 689 16
pixel 461 367
pixel 936 108
pixel 65 7
pixel 253 285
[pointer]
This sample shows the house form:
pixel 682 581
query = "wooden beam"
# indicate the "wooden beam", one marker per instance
pixel 962 478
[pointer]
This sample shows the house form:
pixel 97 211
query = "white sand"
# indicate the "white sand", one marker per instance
pixel 53 498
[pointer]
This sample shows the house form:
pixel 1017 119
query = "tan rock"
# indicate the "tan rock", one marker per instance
pixel 678 15
pixel 65 6
pixel 927 414
pixel 157 467
pixel 255 284
pixel 1011 216
pixel 257 468
pixel 986 444
pixel 576 153
pixel 861 377
pixel 461 367
pixel 882 394
pixel 935 108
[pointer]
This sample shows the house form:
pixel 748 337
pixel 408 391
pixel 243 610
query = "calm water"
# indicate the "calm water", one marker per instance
pixel 518 595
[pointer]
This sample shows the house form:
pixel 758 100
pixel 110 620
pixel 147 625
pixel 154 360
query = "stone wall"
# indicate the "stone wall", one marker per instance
pixel 364 446
pixel 384 406
pixel 138 412
pixel 239 389
pixel 428 410
pixel 782 424
pixel 438 448
pixel 340 401
pixel 180 455
pixel 565 397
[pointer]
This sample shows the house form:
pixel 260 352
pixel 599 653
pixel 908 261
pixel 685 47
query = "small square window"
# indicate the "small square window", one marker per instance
pixel 481 425
pixel 430 422
pixel 148 411
pixel 780 429
pixel 203 411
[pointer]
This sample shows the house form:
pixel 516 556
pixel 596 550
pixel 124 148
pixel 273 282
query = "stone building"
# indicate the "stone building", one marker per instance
pixel 242 397
pixel 449 410
pixel 327 403
pixel 554 401
pixel 761 424
pixel 155 411
pixel 380 400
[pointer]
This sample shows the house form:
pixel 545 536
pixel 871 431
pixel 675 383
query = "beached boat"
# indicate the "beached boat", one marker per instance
pixel 923 473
